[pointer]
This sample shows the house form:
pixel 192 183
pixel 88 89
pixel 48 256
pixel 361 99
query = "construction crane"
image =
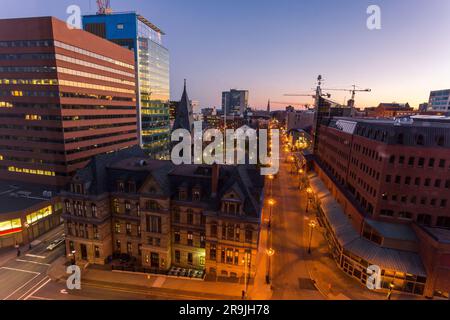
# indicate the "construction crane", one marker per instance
pixel 104 7
pixel 351 102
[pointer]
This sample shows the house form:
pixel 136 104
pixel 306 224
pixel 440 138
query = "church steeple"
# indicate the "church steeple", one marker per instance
pixel 268 106
pixel 183 118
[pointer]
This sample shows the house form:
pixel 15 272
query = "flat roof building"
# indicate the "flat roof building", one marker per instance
pixel 134 32
pixel 65 96
pixel 384 198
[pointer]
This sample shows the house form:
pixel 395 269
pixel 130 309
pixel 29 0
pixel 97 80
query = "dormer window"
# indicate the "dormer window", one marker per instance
pixel 182 194
pixel 131 187
pixel 77 188
pixel 94 210
pixel 196 194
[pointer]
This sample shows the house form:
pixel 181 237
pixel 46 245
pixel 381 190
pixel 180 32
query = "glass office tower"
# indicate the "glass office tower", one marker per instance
pixel 136 33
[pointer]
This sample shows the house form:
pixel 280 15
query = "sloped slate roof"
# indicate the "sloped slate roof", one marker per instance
pixel 349 239
pixel 184 117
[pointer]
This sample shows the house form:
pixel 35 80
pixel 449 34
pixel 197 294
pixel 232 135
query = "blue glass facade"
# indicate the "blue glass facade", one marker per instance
pixel 134 32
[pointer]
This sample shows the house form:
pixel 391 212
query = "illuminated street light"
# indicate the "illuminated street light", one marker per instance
pixel 312 226
pixel 272 202
pixel 391 287
pixel 270 252
pixel 74 257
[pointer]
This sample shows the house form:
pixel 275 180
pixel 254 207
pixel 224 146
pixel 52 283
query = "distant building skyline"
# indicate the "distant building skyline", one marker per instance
pixel 301 41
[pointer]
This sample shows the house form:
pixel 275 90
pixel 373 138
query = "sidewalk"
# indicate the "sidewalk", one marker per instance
pixel 260 290
pixel 148 283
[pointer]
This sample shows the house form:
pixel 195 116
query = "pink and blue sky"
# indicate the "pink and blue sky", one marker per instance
pixel 272 47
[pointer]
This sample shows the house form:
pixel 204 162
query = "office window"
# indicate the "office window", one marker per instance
pixel 190 217
pixel 421 162
pixel 190 258
pixel 411 161
pixel 442 163
pixel 213 230
pixel 177 237
pixel 431 162
pixel 190 238
pixel 117 227
pixel 128 228
pixel 213 252
pixel 177 256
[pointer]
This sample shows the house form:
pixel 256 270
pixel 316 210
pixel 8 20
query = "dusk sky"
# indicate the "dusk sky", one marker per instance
pixel 272 47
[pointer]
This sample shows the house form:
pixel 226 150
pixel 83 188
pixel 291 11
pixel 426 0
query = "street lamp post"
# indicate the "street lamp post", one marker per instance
pixel 308 192
pixel 300 172
pixel 74 257
pixel 27 226
pixel 271 204
pixel 245 261
pixel 312 226
pixel 271 177
pixel 270 252
pixel 391 287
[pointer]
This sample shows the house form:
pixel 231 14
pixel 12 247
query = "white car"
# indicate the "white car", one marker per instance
pixel 55 244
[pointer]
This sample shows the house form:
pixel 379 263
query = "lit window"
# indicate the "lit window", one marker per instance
pixel 120 26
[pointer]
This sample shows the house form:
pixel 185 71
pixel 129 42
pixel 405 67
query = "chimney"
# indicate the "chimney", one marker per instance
pixel 215 179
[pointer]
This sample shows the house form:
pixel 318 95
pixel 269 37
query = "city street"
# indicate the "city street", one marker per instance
pixel 291 279
pixel 22 276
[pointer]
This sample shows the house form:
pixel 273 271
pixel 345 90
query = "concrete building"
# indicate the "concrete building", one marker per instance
pixel 234 102
pixel 299 119
pixel 382 188
pixel 392 110
pixel 65 96
pixel 440 100
pixel 27 211
pixel 136 33
pixel 193 219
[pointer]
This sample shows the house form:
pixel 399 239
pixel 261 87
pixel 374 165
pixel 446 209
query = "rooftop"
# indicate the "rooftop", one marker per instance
pixel 17 196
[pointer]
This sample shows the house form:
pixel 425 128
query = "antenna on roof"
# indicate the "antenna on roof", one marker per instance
pixel 104 7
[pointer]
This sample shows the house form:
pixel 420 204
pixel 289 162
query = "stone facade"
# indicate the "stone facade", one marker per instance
pixel 189 216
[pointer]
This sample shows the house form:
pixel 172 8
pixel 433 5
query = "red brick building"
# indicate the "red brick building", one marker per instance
pixel 65 96
pixel 392 181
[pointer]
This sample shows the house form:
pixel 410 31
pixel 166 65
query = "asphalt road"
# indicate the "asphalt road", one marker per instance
pixel 291 280
pixel 21 276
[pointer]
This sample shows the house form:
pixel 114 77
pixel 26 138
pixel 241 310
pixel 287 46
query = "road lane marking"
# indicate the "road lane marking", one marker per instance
pixel 32 287
pixel 35 256
pixel 20 288
pixel 39 288
pixel 34 262
pixel 20 270
pixel 40 298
